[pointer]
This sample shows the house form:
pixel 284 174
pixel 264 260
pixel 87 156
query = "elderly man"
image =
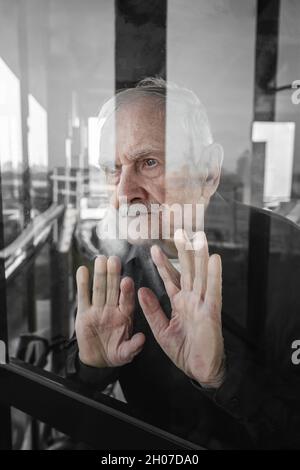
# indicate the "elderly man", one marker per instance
pixel 155 327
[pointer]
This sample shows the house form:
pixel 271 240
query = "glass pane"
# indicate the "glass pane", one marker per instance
pixel 120 123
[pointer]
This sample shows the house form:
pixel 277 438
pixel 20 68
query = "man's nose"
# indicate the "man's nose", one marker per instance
pixel 129 186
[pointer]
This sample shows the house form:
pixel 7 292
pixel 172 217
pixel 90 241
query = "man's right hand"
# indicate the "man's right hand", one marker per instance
pixel 104 326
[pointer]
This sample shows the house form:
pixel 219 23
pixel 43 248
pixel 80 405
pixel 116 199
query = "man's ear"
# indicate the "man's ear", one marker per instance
pixel 212 162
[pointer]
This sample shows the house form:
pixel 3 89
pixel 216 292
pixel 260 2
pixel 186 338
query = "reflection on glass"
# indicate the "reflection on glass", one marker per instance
pixel 37 135
pixel 10 151
pixel 279 140
pixel 154 147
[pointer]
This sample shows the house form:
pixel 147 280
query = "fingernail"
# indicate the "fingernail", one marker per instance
pixel 179 234
pixel 199 240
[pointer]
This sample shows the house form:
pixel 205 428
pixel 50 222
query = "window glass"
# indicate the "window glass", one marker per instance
pixel 120 123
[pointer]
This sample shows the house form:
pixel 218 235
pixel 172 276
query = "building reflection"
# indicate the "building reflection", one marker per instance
pixel 54 75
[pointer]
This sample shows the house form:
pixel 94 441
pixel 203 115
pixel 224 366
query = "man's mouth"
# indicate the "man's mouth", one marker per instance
pixel 136 210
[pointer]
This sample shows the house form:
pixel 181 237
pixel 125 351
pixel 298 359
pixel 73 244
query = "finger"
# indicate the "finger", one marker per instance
pixel 126 302
pixel 82 280
pixel 129 349
pixel 186 259
pixel 113 281
pixel 169 275
pixel 153 312
pixel 201 262
pixel 99 282
pixel 213 295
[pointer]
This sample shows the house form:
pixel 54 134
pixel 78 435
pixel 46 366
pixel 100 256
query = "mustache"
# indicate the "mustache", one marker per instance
pixel 138 208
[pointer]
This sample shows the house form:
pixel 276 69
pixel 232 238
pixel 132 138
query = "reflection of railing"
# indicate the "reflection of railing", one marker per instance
pixel 72 410
pixel 73 186
pixel 28 241
pixel 92 213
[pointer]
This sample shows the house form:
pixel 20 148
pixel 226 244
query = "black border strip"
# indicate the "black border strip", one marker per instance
pixel 102 423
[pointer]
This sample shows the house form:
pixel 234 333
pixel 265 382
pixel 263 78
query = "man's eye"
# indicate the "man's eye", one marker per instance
pixel 150 162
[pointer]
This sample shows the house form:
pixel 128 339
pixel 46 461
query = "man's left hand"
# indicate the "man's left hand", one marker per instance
pixel 192 338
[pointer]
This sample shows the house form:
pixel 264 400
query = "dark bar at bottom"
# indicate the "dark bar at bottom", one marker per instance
pixel 100 424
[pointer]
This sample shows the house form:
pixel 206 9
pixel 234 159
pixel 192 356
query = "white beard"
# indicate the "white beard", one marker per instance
pixel 107 231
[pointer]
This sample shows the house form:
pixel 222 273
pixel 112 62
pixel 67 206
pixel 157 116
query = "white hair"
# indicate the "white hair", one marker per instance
pixel 180 102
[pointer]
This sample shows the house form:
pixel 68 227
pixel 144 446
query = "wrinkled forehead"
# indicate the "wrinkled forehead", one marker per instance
pixel 137 120
pixel 143 122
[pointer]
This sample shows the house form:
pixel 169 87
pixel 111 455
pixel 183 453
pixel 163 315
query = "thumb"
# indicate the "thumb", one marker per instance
pixel 130 348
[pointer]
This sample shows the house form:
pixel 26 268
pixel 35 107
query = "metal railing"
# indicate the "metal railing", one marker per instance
pixel 71 409
pixel 33 236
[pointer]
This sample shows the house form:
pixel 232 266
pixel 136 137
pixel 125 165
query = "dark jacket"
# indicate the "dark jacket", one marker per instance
pixel 258 406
